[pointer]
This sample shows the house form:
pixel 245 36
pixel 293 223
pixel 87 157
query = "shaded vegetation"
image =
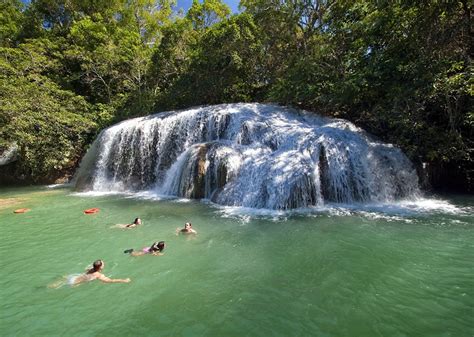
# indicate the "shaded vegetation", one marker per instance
pixel 402 71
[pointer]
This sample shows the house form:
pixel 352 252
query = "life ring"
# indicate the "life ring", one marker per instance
pixel 91 211
pixel 21 210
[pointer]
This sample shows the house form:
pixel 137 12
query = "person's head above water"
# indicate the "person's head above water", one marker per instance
pixel 135 223
pixel 98 265
pixel 161 245
pixel 188 228
pixel 157 246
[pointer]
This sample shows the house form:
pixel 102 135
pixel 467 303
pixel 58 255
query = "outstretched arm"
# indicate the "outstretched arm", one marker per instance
pixel 106 279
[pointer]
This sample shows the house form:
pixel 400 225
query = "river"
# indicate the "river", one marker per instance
pixel 404 269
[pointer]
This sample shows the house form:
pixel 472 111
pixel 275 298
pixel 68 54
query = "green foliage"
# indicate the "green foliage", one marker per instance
pixel 146 17
pixel 209 12
pixel 221 68
pixel 11 17
pixel 108 57
pixel 50 126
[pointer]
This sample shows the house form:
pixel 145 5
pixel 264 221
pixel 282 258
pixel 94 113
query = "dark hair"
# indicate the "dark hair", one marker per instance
pixel 136 221
pixel 95 266
pixel 157 246
pixel 161 245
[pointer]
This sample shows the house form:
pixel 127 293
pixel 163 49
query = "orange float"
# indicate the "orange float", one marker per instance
pixel 21 210
pixel 91 211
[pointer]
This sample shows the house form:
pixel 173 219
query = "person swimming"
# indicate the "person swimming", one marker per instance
pixel 94 273
pixel 134 224
pixel 188 229
pixel 155 249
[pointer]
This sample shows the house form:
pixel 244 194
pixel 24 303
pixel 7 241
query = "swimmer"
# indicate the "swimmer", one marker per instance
pixel 155 249
pixel 188 229
pixel 134 224
pixel 94 273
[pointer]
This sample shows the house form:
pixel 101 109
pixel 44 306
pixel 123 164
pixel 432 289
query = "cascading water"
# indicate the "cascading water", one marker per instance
pixel 252 155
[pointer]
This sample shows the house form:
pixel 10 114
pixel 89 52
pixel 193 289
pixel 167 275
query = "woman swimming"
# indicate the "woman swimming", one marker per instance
pixel 134 224
pixel 94 273
pixel 188 229
pixel 155 249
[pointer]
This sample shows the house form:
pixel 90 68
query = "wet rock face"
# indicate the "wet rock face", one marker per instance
pixel 251 155
pixel 198 186
pixel 9 154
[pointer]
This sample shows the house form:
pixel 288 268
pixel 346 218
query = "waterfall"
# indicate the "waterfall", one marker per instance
pixel 252 155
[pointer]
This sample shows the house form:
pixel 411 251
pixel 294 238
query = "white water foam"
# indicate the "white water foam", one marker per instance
pixel 248 155
pixel 101 193
pixel 407 211
pixel 404 211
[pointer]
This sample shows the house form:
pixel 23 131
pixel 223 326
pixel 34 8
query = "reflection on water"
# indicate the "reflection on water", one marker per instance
pixel 403 269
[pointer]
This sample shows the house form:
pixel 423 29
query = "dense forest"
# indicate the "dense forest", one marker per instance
pixel 401 70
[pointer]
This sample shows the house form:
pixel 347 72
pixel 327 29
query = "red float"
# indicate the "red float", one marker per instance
pixel 21 210
pixel 91 211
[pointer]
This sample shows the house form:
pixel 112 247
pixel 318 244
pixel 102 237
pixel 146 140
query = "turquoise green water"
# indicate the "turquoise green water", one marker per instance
pixel 333 272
